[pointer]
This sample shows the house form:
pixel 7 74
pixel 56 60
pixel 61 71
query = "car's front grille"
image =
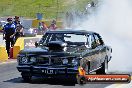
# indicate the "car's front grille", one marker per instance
pixel 52 60
pixel 43 60
pixel 56 61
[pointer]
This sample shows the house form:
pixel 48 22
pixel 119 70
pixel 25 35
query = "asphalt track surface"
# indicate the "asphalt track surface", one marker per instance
pixel 11 78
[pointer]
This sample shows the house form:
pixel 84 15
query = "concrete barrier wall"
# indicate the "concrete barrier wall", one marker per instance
pixel 3 54
pixel 19 45
pixel 30 42
pixel 24 42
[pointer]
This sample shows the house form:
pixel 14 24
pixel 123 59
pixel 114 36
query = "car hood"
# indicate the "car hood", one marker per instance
pixel 42 51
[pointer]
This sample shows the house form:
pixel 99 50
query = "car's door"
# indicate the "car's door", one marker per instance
pixel 101 49
pixel 93 53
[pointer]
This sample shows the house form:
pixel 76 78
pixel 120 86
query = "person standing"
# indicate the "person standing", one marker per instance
pixel 19 28
pixel 53 25
pixel 45 28
pixel 16 20
pixel 19 32
pixel 8 34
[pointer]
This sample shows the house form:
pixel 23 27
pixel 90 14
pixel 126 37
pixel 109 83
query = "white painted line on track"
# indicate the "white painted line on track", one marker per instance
pixel 8 62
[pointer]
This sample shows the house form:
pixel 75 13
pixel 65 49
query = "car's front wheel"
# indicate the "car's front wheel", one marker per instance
pixel 81 80
pixel 104 68
pixel 26 76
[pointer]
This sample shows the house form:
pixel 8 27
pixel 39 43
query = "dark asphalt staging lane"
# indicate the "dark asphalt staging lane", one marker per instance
pixel 11 78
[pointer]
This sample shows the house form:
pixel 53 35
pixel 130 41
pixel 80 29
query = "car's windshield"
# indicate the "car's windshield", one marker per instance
pixel 69 38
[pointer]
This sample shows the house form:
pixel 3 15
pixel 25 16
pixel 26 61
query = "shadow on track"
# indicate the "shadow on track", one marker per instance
pixel 50 81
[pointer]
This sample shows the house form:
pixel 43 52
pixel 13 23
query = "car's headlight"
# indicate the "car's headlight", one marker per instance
pixel 33 59
pixel 24 60
pixel 65 61
pixel 75 62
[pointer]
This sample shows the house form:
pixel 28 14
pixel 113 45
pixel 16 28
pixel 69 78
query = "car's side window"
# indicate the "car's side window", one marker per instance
pixel 98 40
pixel 91 42
pixel 47 38
pixel 43 39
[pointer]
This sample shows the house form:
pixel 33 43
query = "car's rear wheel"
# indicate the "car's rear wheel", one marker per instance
pixel 104 68
pixel 26 76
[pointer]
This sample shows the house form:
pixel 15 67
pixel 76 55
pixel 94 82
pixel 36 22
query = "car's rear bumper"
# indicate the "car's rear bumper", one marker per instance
pixel 40 70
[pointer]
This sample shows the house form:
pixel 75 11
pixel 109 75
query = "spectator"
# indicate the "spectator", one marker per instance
pixel 44 26
pixel 17 20
pixel 8 34
pixel 19 32
pixel 53 25
pixel 92 4
pixel 40 28
pixel 19 28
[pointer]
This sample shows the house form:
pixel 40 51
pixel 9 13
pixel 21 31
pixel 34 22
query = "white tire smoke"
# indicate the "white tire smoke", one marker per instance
pixel 113 20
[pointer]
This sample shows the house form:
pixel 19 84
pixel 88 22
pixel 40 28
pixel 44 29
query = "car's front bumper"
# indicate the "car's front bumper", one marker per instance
pixel 47 70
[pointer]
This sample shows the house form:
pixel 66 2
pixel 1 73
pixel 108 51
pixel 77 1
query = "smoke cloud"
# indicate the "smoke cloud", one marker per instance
pixel 113 21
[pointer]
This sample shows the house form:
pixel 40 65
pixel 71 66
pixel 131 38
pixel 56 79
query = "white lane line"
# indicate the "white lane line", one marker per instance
pixel 7 62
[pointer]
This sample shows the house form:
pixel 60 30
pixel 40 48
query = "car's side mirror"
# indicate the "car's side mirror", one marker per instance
pixel 36 44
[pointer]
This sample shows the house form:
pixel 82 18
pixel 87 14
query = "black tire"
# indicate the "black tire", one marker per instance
pixel 26 76
pixel 104 68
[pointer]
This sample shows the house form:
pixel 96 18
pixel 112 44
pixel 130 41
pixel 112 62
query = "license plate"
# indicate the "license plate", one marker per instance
pixel 48 71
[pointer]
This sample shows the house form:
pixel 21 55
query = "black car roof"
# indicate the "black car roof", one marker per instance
pixel 71 31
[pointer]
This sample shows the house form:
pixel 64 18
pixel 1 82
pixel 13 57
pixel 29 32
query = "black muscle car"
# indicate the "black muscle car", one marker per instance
pixel 62 52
